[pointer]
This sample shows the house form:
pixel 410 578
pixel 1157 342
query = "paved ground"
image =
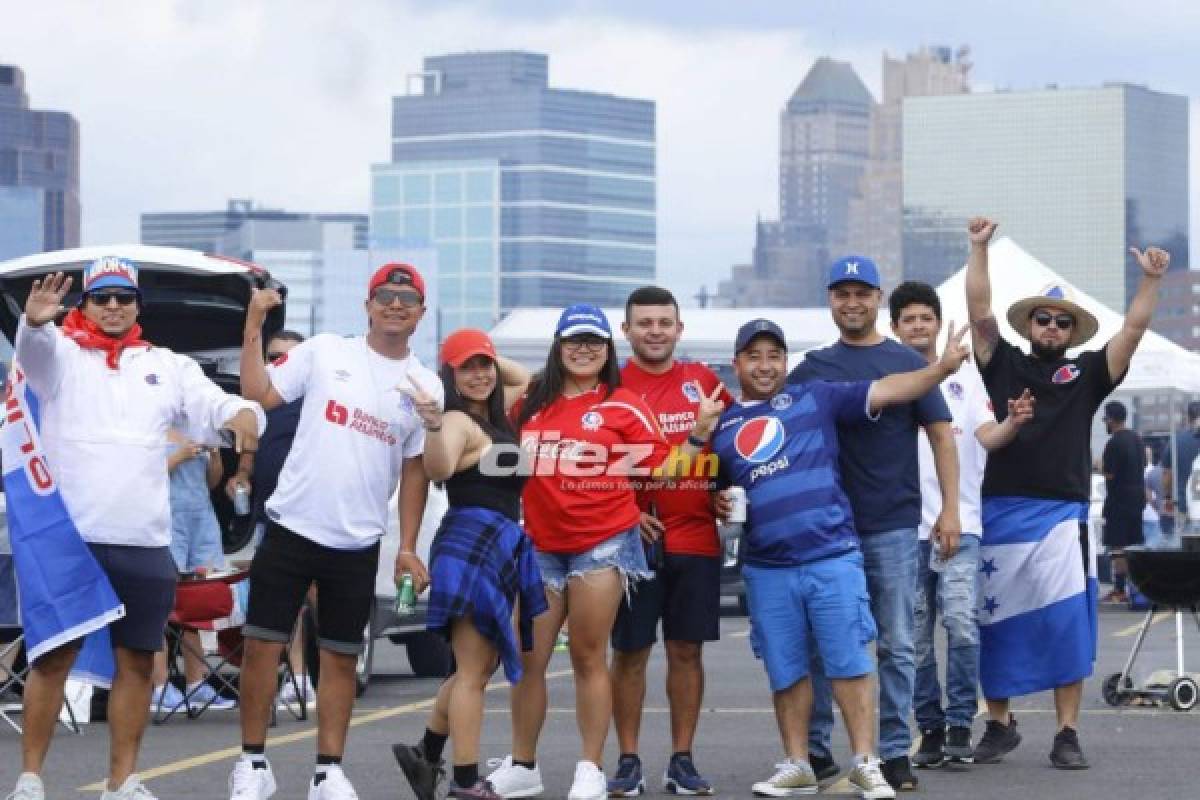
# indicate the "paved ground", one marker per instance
pixel 1135 752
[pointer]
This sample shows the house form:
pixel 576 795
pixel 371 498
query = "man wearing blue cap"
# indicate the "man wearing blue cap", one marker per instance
pixel 1037 627
pixel 881 478
pixel 804 563
pixel 107 399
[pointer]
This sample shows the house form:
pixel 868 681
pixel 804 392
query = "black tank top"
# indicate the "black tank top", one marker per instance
pixel 470 487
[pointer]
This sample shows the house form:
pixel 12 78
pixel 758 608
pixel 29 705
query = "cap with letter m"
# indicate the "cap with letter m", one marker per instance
pixel 858 269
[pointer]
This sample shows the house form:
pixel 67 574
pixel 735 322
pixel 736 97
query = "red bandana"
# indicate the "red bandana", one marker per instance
pixel 87 334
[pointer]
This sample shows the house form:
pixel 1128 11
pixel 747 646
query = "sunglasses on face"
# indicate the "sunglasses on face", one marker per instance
pixel 1064 322
pixel 407 297
pixel 593 344
pixel 122 298
pixel 275 356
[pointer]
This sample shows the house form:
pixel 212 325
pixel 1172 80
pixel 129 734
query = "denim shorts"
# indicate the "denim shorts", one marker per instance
pixel 622 550
pixel 822 605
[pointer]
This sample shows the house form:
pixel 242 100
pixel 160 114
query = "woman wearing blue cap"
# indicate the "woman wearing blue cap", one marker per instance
pixel 587 439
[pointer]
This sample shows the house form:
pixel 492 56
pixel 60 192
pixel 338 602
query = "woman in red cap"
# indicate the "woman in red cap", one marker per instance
pixel 481 559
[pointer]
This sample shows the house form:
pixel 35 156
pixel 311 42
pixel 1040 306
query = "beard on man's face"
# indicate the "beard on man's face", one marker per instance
pixel 1047 352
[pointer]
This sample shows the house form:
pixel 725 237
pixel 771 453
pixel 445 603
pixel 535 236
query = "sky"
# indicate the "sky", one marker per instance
pixel 183 104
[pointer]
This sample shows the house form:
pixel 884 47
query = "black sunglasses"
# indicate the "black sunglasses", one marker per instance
pixel 407 297
pixel 1064 321
pixel 122 298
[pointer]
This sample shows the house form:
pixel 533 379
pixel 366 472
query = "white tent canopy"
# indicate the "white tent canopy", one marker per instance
pixel 1158 364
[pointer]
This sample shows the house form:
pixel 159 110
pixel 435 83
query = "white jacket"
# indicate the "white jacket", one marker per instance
pixel 104 430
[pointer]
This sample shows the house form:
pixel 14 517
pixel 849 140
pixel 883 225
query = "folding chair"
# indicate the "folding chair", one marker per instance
pixel 14 671
pixel 204 605
pixel 305 627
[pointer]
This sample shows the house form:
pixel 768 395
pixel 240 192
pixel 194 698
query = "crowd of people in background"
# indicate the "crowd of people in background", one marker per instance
pixel 885 486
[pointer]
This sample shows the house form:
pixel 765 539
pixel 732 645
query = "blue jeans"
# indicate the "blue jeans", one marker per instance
pixel 890 559
pixel 953 593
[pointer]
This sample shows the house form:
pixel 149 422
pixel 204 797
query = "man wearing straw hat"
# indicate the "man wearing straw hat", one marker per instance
pixel 1037 587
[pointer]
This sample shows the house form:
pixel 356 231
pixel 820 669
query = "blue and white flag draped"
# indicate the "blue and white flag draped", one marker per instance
pixel 64 594
pixel 1037 597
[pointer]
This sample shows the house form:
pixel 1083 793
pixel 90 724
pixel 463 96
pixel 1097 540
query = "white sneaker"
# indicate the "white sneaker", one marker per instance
pixel 869 781
pixel 29 787
pixel 291 697
pixel 791 777
pixel 511 780
pixel 131 789
pixel 589 783
pixel 248 783
pixel 336 786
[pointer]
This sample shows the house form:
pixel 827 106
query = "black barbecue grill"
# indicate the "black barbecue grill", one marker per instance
pixel 1170 579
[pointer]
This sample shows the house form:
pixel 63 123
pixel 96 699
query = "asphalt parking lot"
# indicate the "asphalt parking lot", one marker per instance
pixel 1139 751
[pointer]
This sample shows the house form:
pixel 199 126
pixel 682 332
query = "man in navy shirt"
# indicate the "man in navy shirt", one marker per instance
pixel 881 477
pixel 802 561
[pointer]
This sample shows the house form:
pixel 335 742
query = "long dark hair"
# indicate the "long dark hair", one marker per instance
pixel 496 425
pixel 548 384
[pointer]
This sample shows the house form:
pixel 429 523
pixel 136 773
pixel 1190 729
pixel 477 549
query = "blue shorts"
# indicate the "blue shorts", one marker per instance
pixel 196 539
pixel 823 604
pixel 622 550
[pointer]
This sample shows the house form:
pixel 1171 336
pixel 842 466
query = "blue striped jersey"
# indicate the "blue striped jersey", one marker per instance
pixel 784 453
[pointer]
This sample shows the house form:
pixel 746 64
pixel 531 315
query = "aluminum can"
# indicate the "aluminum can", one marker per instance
pixel 241 500
pixel 738 503
pixel 406 597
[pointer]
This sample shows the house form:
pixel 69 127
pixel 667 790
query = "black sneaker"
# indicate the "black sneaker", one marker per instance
pixel 898 773
pixel 998 740
pixel 958 748
pixel 931 753
pixel 824 767
pixel 423 775
pixel 1066 753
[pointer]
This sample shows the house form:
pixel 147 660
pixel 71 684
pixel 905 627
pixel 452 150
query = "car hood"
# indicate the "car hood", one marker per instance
pixel 193 303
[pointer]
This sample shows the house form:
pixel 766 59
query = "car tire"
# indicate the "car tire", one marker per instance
pixel 429 655
pixel 1182 694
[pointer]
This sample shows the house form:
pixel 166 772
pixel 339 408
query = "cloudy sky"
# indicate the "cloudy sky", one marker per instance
pixel 184 104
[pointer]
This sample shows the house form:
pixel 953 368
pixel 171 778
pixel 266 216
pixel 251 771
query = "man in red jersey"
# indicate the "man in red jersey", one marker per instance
pixel 678 523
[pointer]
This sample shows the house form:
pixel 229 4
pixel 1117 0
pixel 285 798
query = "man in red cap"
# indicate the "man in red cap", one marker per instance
pixel 357 436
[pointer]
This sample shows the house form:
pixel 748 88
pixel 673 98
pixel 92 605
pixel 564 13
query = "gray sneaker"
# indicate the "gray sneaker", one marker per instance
pixel 29 787
pixel 791 777
pixel 868 779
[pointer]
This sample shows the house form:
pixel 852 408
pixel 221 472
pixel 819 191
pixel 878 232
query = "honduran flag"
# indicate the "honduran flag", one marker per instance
pixel 64 594
pixel 1037 596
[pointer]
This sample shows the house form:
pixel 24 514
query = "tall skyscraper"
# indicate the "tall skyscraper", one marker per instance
pixel 1076 176
pixel 823 149
pixel 876 212
pixel 39 173
pixel 531 195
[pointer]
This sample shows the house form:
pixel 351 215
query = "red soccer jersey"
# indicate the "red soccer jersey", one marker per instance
pixel 682 505
pixel 580 492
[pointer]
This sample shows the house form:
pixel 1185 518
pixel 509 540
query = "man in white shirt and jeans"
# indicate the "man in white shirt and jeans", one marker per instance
pixel 358 434
pixel 949 584
pixel 107 399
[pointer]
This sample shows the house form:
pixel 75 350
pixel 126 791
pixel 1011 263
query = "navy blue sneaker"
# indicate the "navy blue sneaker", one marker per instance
pixel 681 777
pixel 628 781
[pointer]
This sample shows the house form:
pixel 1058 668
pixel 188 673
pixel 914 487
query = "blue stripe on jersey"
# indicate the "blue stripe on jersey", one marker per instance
pixel 784 453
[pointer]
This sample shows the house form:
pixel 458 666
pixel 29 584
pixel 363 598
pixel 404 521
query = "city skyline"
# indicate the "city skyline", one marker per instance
pixel 239 101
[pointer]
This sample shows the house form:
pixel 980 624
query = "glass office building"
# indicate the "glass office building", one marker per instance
pixel 531 196
pixel 39 173
pixel 1075 176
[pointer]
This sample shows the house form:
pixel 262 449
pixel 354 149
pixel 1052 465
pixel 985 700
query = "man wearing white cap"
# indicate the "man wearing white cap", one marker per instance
pixel 1037 585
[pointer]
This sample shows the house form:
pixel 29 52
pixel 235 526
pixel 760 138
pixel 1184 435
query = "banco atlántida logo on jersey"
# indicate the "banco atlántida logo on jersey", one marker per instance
pixel 759 439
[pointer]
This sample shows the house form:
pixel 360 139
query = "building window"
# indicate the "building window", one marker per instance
pixel 480 223
pixel 416 190
pixel 448 187
pixel 416 221
pixel 480 187
pixel 385 190
pixel 448 222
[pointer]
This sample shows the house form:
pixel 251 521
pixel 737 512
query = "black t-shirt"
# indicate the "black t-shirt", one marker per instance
pixel 1052 454
pixel 1125 460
